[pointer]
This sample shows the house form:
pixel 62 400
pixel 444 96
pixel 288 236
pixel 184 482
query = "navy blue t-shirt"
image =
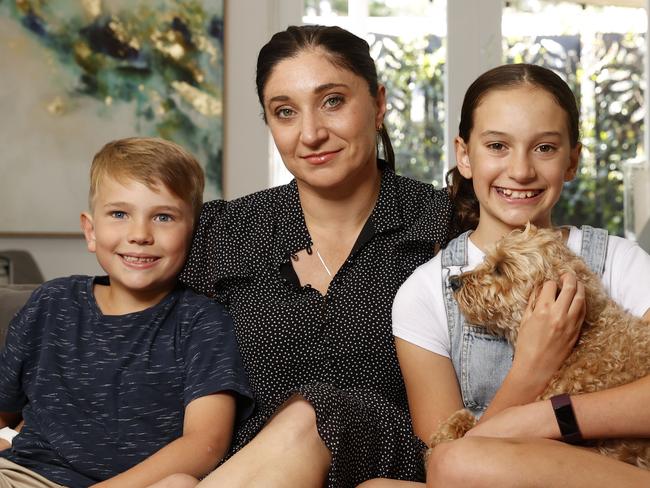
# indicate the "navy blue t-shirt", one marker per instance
pixel 101 393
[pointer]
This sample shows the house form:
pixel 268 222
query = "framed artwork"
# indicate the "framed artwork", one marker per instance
pixel 79 73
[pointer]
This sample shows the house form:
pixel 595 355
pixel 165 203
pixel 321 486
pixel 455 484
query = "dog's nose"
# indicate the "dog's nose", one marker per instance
pixel 455 282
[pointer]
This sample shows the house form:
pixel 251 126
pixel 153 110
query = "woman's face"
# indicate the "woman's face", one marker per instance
pixel 519 155
pixel 323 120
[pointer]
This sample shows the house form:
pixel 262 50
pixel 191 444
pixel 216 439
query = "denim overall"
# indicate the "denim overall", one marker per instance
pixel 482 360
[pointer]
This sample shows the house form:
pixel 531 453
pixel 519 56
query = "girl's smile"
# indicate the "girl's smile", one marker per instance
pixel 514 194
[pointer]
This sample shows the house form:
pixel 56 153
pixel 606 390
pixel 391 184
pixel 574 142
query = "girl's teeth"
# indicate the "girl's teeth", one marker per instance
pixel 517 194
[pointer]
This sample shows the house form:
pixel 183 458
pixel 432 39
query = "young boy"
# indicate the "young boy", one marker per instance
pixel 126 378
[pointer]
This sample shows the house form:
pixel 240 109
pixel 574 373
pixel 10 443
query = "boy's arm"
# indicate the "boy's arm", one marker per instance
pixel 207 433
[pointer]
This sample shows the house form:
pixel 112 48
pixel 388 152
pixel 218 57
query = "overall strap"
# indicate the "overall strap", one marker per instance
pixel 593 249
pixel 453 259
pixel 481 360
pixel 455 254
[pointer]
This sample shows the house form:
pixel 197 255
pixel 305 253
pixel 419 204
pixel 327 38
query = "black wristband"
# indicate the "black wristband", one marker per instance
pixel 566 419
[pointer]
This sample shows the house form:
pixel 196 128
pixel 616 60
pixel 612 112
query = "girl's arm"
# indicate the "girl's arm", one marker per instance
pixel 548 332
pixel 617 412
pixel 431 387
pixel 207 432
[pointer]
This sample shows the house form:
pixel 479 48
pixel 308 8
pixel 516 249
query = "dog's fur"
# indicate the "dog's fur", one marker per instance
pixel 613 348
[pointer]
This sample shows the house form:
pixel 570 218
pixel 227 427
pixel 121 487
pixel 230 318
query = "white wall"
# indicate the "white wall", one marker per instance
pixel 249 25
pixel 473 46
pixel 56 256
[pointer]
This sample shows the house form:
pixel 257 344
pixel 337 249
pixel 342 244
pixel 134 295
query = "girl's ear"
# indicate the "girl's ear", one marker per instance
pixel 462 157
pixel 574 159
pixel 88 228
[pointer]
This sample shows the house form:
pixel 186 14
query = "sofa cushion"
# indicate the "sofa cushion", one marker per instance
pixel 12 298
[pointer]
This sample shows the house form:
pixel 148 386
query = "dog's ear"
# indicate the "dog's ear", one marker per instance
pixel 558 254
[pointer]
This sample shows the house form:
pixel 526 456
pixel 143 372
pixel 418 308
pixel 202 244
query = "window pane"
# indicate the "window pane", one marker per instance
pixel 599 52
pixel 412 69
pixel 326 7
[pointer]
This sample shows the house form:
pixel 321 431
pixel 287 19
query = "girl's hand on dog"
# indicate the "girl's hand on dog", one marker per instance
pixel 549 330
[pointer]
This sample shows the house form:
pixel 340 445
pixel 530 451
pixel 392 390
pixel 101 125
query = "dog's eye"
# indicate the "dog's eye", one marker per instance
pixel 496 271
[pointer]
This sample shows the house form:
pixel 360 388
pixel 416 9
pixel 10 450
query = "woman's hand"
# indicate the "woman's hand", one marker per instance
pixel 535 419
pixel 549 329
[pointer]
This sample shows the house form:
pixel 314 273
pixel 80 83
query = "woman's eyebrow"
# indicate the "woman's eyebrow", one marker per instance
pixel 279 98
pixel 329 86
pixel 317 90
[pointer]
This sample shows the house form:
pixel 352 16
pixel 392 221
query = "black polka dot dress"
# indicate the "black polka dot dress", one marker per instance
pixel 337 350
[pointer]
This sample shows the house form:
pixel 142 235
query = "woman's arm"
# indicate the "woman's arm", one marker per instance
pixel 207 432
pixel 431 387
pixel 548 332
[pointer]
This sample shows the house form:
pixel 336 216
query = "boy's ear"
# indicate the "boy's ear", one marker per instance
pixel 88 228
pixel 574 159
pixel 462 157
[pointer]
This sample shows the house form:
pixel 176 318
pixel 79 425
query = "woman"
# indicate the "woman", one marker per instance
pixel 309 272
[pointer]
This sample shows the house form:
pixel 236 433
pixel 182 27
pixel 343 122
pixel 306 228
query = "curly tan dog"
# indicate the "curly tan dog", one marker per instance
pixel 613 348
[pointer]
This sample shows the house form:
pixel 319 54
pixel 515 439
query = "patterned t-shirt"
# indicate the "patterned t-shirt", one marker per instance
pixel 100 393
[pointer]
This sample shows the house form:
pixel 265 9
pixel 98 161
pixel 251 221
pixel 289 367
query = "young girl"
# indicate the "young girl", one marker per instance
pixel 517 145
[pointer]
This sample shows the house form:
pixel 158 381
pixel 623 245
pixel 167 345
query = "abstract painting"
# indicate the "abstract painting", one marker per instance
pixel 78 73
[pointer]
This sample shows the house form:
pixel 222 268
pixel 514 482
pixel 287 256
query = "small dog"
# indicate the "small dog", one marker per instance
pixel 613 348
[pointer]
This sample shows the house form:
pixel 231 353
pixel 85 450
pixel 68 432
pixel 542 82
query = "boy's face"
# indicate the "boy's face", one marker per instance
pixel 140 236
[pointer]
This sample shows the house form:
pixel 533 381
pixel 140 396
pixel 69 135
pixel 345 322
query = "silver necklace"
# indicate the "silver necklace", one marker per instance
pixel 323 263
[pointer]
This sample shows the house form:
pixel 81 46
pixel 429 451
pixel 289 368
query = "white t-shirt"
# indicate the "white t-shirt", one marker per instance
pixel 419 314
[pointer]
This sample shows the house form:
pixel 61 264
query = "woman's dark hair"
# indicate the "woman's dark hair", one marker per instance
pixel 345 50
pixel 502 78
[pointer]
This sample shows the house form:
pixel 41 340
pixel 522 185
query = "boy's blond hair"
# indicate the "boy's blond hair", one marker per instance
pixel 150 161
